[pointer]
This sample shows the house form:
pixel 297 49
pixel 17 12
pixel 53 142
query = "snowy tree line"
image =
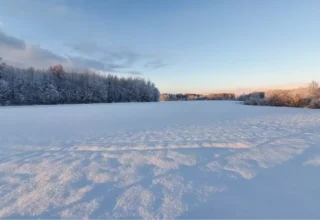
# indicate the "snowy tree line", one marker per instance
pixel 251 96
pixel 302 97
pixel 56 86
pixel 190 97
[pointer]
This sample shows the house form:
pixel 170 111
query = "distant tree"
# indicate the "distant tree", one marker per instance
pixel 192 97
pixel 57 70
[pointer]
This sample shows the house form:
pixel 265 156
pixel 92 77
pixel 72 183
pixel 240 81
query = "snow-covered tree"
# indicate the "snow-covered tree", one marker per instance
pixel 2 66
pixel 57 86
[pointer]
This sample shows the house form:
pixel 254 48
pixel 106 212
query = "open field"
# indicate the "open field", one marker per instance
pixel 202 159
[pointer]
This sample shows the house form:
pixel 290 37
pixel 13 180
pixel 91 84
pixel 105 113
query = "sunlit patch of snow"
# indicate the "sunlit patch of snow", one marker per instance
pixel 135 202
pixel 80 211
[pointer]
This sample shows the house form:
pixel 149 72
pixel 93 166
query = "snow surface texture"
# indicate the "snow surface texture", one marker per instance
pixel 214 159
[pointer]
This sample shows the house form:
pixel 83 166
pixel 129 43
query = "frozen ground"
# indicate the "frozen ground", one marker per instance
pixel 159 160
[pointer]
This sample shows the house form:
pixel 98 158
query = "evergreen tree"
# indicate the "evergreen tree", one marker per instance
pixel 56 86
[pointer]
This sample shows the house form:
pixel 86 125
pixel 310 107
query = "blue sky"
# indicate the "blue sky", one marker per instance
pixel 182 46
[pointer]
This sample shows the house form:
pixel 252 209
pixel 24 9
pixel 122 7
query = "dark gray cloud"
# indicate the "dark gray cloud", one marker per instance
pixel 155 64
pixel 11 42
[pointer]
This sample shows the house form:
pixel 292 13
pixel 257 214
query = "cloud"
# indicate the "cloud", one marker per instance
pixel 133 72
pixel 11 42
pixel 39 53
pixel 17 52
pixel 114 58
pixel 88 47
pixel 84 63
pixel 156 64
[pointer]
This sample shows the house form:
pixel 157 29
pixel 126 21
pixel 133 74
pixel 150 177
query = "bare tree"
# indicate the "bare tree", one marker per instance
pixel 313 89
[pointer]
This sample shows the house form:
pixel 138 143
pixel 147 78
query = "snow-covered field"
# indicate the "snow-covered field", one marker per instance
pixel 214 159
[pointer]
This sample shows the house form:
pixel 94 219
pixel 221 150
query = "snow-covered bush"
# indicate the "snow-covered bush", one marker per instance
pixel 251 96
pixel 302 97
pixel 255 101
pixel 315 103
pixel 286 98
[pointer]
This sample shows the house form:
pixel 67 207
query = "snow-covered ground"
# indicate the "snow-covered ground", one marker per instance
pixel 213 159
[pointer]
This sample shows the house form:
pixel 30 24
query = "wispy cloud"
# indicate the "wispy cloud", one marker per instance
pixel 16 51
pixel 116 59
pixel 87 47
pixel 156 64
pixel 133 72
pixel 87 55
pixel 113 58
pixel 85 63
